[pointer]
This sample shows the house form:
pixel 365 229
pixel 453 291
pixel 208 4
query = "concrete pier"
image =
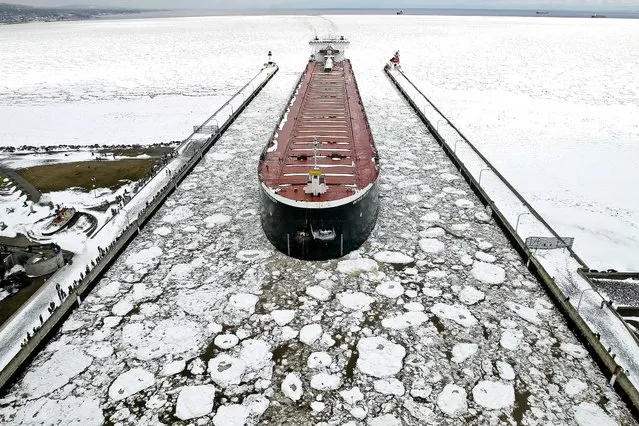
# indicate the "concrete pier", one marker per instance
pixel 561 270
pixel 22 334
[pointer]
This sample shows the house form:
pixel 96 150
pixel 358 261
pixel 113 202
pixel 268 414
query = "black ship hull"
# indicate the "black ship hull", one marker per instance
pixel 319 233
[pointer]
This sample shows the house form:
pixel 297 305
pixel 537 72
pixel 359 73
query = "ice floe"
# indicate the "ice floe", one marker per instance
pixel 488 273
pixel 494 395
pixel 292 387
pixel 379 357
pixel 393 257
pixel 431 245
pixel 194 401
pixel 452 400
pixel 130 383
pixel 356 301
pixel 462 351
pixel 390 289
pixel 356 266
pixel 457 313
pixel 589 414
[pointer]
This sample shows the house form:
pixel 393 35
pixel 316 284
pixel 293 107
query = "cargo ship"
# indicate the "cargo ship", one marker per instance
pixel 318 174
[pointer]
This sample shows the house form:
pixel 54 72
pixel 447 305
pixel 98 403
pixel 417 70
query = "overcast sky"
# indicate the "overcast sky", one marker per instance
pixel 396 4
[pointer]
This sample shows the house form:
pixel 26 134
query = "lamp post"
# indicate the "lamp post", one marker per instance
pixel 519 217
pixel 455 146
pixel 439 121
pixel 480 172
pixel 581 295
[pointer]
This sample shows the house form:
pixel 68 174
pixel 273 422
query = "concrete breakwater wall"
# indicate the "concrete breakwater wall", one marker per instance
pixel 619 375
pixel 19 338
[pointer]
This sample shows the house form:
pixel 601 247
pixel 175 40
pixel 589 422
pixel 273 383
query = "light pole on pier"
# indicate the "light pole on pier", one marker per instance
pixel 439 121
pixel 480 172
pixel 582 295
pixel 519 217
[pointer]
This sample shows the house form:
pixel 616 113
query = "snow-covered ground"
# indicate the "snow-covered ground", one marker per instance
pixel 435 320
pixel 552 102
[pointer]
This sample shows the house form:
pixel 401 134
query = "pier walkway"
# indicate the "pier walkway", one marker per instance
pixel 21 334
pixel 560 270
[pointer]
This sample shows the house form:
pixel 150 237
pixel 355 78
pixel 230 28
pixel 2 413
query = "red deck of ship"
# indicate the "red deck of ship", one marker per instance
pixel 327 106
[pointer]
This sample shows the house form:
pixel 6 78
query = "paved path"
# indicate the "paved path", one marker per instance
pixel 24 184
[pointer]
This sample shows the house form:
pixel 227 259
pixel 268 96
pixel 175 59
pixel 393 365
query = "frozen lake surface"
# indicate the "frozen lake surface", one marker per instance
pixel 435 320
pixel 553 102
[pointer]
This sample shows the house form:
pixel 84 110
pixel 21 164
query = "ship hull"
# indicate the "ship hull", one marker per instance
pixel 293 230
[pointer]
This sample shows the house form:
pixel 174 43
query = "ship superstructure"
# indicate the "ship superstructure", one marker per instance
pixel 318 173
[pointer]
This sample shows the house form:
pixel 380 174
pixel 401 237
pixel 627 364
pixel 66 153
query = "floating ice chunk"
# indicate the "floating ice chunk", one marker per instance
pixel 357 301
pixel 256 353
pixel 121 308
pixel 180 271
pixel 414 307
pixel 420 411
pixel 226 341
pixel 393 257
pixel 448 176
pixel 70 411
pixel 100 350
pixel 356 266
pixel 173 336
pixel 457 313
pixel 248 255
pixel 390 289
pixel 292 386
pixel 389 386
pixel 178 214
pixel 352 396
pixel 463 203
pixel 323 381
pixel 319 293
pixel 226 370
pixel 524 312
pixel 511 338
pixel 288 333
pixel 485 257
pixel 405 320
pixel 319 360
pixel 482 217
pixel 216 219
pixel 310 333
pixel 470 295
pixel 283 317
pixel 379 357
pixel 72 325
pixel 431 245
pixel 413 198
pixel 488 273
pixel 65 363
pixel 194 401
pixel 431 292
pixel 466 260
pixel 589 414
pixel 484 245
pixel 231 415
pixel 494 395
pixel 359 413
pixel 110 289
pixel 173 368
pixel 576 351
pixel 144 257
pixel 433 232
pixel 317 406
pixel 162 231
pixel 452 400
pixel 463 351
pixel 505 370
pixel 574 386
pixel 436 274
pixel 244 302
pixel 384 420
pixel 129 383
